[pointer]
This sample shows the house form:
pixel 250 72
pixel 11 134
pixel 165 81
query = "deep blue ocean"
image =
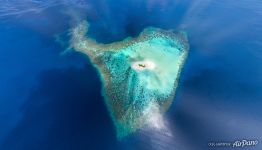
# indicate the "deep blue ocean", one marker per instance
pixel 50 96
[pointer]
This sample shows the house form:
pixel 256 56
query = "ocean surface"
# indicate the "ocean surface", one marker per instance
pixel 50 95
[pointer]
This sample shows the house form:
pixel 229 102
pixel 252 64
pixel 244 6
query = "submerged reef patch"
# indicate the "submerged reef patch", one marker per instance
pixel 139 75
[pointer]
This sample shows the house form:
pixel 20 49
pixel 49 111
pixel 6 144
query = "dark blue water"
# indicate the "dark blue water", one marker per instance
pixel 50 96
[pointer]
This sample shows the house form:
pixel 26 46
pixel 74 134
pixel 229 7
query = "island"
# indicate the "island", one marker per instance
pixel 139 75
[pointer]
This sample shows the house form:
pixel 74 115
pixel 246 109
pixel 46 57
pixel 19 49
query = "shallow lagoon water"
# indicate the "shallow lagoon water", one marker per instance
pixel 50 99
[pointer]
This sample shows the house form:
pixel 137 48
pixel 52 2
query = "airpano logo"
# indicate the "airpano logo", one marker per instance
pixel 244 143
pixel 235 144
